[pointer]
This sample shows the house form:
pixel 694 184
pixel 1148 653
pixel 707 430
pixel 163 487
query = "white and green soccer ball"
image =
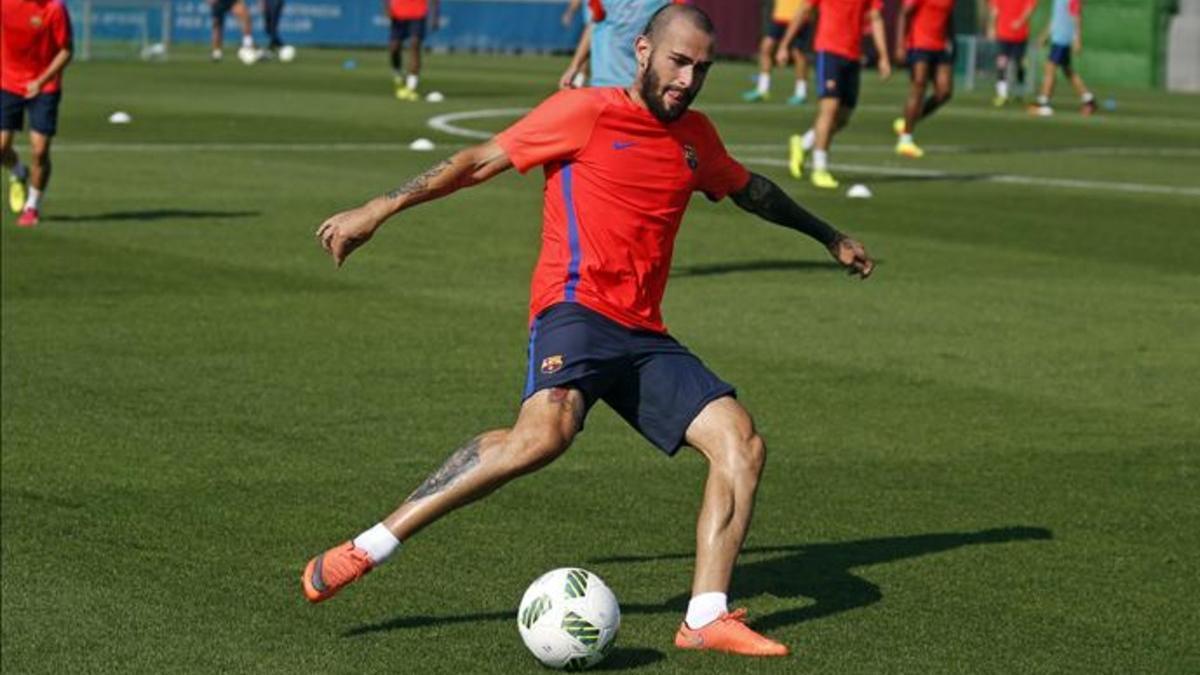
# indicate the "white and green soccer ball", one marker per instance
pixel 569 618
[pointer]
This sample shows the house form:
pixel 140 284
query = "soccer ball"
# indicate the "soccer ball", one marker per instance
pixel 248 55
pixel 287 53
pixel 569 618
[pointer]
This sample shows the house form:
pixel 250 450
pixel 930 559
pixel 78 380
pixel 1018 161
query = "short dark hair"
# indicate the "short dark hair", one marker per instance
pixel 668 12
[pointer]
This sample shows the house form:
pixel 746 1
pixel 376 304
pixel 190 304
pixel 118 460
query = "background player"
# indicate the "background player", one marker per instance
pixel 407 24
pixel 782 12
pixel 923 27
pixel 1065 35
pixel 620 167
pixel 272 12
pixel 1008 25
pixel 838 44
pixel 606 46
pixel 220 8
pixel 35 47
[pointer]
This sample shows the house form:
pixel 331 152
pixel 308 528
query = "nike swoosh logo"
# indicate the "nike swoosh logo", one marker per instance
pixel 621 145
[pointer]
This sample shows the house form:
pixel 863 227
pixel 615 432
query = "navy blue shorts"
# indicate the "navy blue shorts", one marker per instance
pixel 934 57
pixel 803 39
pixel 221 7
pixel 649 379
pixel 1014 50
pixel 838 77
pixel 42 109
pixel 1060 55
pixel 402 29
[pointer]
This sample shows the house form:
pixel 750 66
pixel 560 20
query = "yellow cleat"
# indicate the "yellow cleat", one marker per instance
pixel 999 101
pixel 823 179
pixel 909 149
pixel 796 156
pixel 406 94
pixel 16 194
pixel 898 125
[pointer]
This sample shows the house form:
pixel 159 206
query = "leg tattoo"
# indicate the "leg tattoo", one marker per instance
pixel 460 462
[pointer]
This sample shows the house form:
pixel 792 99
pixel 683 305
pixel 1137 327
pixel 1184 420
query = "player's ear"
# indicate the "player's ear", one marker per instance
pixel 641 49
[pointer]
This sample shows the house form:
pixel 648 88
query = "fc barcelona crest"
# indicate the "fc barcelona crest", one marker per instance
pixel 689 156
pixel 552 364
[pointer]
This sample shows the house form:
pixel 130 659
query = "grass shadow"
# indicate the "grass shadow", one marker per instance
pixel 820 571
pixel 714 269
pixel 150 215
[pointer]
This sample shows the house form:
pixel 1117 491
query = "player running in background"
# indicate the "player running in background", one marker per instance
pixel 407 24
pixel 1065 35
pixel 923 36
pixel 840 25
pixel 782 12
pixel 606 46
pixel 1008 25
pixel 620 166
pixel 35 47
pixel 247 53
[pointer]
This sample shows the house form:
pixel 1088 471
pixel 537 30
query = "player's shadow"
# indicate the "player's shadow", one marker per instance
pixel 923 178
pixel 819 571
pixel 822 571
pixel 714 269
pixel 151 214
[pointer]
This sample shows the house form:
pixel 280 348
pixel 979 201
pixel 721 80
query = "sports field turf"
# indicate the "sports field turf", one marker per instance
pixel 984 459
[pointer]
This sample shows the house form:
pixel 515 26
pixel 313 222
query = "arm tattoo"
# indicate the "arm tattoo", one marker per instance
pixel 460 462
pixel 768 201
pixel 421 182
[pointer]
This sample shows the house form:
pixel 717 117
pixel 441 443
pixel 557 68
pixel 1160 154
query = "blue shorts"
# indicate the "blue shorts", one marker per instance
pixel 803 39
pixel 43 112
pixel 838 77
pixel 402 29
pixel 1060 55
pixel 1014 50
pixel 649 379
pixel 934 57
pixel 221 7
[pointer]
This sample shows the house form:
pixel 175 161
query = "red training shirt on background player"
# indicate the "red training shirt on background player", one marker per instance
pixel 35 31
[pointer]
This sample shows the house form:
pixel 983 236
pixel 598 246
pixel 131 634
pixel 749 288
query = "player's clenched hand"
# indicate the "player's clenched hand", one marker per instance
pixel 885 70
pixel 342 233
pixel 781 55
pixel 853 256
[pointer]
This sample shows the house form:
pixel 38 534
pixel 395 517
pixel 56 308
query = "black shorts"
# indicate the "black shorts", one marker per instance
pixel 838 77
pixel 1060 55
pixel 803 39
pixel 649 379
pixel 1014 50
pixel 221 7
pixel 402 29
pixel 934 57
pixel 42 109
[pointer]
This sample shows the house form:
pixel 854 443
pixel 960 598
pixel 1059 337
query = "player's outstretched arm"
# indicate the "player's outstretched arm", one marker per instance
pixel 765 199
pixel 343 232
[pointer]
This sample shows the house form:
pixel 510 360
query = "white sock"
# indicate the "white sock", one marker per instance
pixel 378 542
pixel 1043 100
pixel 820 160
pixel 764 83
pixel 247 42
pixel 33 198
pixel 906 138
pixel 801 89
pixel 705 608
pixel 1087 97
pixel 411 81
pixel 809 140
pixel 1002 88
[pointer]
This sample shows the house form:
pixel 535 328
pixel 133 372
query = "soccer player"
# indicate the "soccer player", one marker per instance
pixel 1008 25
pixel 272 11
pixel 782 12
pixel 1065 35
pixel 840 25
pixel 606 45
pixel 923 26
pixel 35 47
pixel 408 23
pixel 620 166
pixel 247 53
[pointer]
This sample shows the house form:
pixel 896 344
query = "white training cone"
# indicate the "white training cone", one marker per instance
pixel 120 117
pixel 435 97
pixel 859 191
pixel 421 145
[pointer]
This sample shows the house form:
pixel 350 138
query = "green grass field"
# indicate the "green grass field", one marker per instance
pixel 984 459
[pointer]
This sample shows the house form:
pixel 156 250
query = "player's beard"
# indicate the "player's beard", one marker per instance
pixel 654 94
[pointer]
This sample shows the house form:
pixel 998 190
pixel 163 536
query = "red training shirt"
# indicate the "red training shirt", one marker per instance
pixel 32 33
pixel 407 10
pixel 1008 11
pixel 841 24
pixel 617 183
pixel 929 24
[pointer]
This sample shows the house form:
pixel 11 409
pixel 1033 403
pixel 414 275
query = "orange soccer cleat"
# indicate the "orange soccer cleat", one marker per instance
pixel 729 633
pixel 333 570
